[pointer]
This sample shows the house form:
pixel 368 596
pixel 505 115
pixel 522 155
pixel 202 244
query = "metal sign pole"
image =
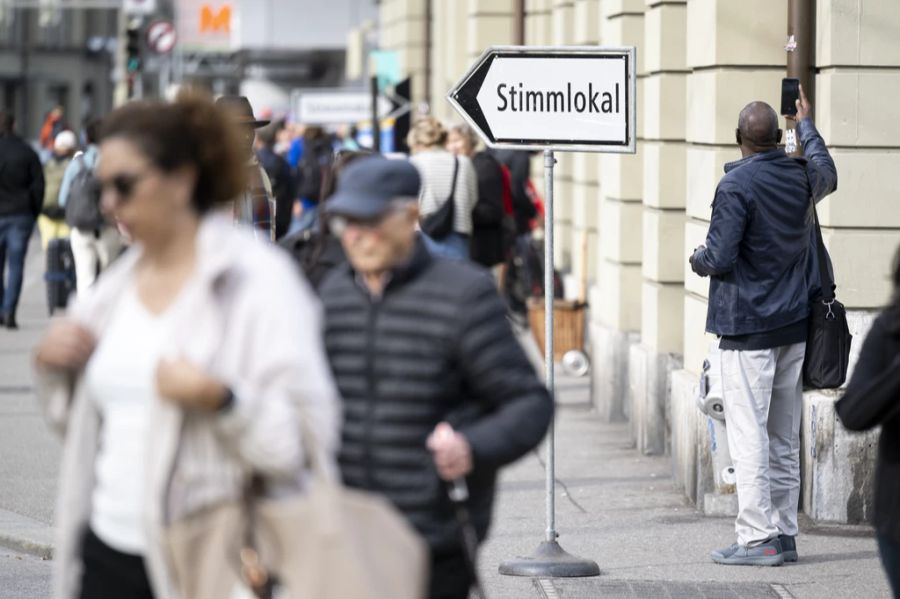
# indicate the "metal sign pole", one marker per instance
pixel 570 99
pixel 549 162
pixel 550 560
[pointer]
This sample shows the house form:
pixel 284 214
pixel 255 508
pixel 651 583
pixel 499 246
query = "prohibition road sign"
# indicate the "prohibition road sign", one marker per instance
pixel 161 37
pixel 570 98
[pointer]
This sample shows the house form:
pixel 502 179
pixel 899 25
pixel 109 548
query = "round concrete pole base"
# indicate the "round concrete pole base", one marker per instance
pixel 550 561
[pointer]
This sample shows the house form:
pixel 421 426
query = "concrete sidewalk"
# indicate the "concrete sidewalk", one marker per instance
pixel 622 510
pixel 29 452
pixel 614 505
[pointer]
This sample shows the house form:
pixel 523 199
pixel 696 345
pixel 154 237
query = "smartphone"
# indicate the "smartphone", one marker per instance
pixel 790 93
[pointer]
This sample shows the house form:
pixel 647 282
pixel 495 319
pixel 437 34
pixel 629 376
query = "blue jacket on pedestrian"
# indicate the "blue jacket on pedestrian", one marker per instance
pixel 760 253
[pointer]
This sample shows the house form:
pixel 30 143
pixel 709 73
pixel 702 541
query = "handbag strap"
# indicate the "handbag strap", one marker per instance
pixel 825 280
pixel 452 197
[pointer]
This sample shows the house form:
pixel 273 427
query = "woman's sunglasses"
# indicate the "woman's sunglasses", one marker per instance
pixel 122 184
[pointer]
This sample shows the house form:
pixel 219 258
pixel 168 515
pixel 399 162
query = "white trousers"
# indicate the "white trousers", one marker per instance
pixel 763 393
pixel 91 251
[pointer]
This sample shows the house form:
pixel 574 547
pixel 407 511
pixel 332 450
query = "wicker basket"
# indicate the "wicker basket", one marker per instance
pixel 568 323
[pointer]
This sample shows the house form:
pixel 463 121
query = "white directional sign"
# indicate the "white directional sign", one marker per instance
pixel 139 7
pixel 552 98
pixel 335 107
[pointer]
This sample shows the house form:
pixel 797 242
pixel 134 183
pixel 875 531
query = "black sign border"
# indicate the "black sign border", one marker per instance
pixel 472 111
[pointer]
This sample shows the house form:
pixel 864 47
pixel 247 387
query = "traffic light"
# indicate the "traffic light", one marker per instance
pixel 133 49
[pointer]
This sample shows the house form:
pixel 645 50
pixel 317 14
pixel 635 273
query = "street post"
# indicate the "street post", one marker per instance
pixel 566 99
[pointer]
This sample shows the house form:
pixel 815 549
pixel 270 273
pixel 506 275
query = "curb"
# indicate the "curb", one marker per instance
pixel 26 535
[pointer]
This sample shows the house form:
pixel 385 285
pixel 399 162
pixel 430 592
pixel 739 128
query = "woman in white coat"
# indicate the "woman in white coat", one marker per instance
pixel 186 369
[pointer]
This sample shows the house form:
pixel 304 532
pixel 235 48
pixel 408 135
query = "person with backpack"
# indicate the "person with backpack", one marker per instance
pixel 21 197
pixel 95 242
pixel 52 221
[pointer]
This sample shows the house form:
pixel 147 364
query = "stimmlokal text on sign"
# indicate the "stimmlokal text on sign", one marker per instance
pixel 551 98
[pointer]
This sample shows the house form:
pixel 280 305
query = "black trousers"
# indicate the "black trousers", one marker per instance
pixel 111 574
pixel 450 577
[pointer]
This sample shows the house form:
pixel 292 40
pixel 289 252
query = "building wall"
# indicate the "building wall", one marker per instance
pixel 664 181
pixel 858 82
pixel 57 66
pixel 627 224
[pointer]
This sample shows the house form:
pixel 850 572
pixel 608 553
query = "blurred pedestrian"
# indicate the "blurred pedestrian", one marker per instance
pixel 21 198
pixel 95 241
pixel 313 168
pixel 346 138
pixel 435 386
pixel 53 125
pixel 183 386
pixel 296 132
pixel 52 221
pixel 872 399
pixel 317 251
pixel 255 207
pixel 492 232
pixel 758 254
pixel 279 173
pixel 445 178
pixel 519 164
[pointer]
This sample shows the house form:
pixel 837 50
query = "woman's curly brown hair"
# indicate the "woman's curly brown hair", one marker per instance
pixel 188 132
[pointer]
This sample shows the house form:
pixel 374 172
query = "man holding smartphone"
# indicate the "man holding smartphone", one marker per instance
pixel 760 259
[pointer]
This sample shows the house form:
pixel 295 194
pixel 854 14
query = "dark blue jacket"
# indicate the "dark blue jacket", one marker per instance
pixel 283 188
pixel 760 252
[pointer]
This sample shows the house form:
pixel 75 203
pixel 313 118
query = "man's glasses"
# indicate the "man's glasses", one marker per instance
pixel 339 223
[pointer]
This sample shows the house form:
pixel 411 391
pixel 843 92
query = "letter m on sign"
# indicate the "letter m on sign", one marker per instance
pixel 215 21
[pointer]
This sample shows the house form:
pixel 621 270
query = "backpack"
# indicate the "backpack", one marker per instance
pixel 312 169
pixel 314 253
pixel 83 202
pixel 53 176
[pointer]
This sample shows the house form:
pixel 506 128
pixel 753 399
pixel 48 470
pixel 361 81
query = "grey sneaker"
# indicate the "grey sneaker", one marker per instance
pixel 789 548
pixel 767 554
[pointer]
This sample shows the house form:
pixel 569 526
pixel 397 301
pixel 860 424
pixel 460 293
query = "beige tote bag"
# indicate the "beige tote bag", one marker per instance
pixel 328 543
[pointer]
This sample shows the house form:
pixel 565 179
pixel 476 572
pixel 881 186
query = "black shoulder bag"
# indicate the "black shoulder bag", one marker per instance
pixel 828 338
pixel 439 223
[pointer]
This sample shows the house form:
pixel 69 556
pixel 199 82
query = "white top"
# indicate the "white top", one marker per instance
pixel 436 169
pixel 120 380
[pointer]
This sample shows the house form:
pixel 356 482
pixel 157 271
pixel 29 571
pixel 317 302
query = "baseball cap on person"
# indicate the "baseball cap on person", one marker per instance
pixel 366 187
pixel 65 141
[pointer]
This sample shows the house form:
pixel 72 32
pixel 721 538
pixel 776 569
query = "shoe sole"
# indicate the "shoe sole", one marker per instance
pixel 776 560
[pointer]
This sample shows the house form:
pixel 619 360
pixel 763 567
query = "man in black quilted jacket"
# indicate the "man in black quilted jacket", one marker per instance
pixel 435 386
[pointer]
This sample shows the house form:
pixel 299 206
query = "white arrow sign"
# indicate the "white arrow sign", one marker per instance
pixel 552 98
pixel 335 107
pixel 139 7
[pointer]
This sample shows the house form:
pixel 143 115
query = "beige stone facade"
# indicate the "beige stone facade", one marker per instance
pixel 699 63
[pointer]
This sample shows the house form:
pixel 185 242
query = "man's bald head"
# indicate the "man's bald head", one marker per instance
pixel 758 126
